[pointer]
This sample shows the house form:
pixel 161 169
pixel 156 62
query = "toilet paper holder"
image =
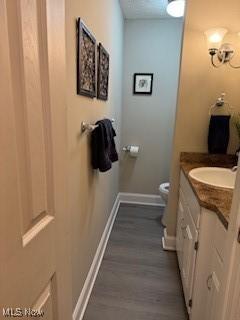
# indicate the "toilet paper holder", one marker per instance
pixel 133 151
pixel 127 148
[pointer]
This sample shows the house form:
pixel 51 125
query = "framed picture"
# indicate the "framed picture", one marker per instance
pixel 103 73
pixel 86 61
pixel 143 83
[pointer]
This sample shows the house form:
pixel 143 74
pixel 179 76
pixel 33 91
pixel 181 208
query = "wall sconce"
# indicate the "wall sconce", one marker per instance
pixel 224 52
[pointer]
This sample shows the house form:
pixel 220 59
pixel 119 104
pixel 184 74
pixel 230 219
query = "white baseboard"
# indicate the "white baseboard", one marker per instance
pixel 139 198
pixel 93 272
pixel 168 242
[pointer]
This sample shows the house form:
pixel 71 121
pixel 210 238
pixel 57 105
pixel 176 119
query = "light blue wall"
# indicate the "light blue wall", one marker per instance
pixel 151 46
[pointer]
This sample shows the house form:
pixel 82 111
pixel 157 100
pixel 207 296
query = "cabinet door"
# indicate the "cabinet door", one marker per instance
pixel 179 236
pixel 190 236
pixel 213 284
pixel 214 288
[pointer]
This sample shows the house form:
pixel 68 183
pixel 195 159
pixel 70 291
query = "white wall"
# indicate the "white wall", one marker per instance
pixel 91 195
pixel 151 46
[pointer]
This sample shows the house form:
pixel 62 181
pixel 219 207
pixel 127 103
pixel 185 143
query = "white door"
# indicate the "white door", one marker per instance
pixel 34 255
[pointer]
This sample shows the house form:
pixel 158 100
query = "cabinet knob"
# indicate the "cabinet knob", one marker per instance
pixel 183 227
pixel 209 282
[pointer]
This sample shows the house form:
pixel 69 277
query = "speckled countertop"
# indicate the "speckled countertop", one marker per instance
pixel 216 199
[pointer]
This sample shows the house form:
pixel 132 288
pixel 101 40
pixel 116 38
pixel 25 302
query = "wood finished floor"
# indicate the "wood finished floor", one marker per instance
pixel 137 279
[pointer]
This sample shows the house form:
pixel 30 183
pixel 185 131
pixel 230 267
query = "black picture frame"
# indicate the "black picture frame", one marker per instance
pixel 103 73
pixel 147 82
pixel 86 61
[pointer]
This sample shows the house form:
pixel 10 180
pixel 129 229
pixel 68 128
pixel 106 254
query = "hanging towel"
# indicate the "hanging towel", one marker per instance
pixel 218 136
pixel 103 146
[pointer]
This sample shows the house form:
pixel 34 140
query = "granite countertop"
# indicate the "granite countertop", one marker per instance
pixel 215 199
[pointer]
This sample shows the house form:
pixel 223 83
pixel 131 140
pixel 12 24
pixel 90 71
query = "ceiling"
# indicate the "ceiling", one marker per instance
pixel 144 9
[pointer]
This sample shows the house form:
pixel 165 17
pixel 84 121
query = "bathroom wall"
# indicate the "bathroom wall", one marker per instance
pixel 150 46
pixel 200 85
pixel 91 195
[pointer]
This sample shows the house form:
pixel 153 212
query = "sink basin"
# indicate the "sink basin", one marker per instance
pixel 214 176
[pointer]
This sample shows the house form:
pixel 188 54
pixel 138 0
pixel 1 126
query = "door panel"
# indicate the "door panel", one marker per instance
pixel 35 103
pixel 34 222
pixel 212 298
pixel 33 114
pixel 45 303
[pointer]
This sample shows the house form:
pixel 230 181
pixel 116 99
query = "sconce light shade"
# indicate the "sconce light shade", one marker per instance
pixel 222 52
pixel 215 37
pixel 176 8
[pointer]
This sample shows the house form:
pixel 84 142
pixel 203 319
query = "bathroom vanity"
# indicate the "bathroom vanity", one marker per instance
pixel 203 213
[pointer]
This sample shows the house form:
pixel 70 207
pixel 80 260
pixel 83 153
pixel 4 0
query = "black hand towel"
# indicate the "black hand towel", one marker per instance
pixel 103 146
pixel 218 136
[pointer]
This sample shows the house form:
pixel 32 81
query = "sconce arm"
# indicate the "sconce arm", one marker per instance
pixel 216 65
pixel 235 67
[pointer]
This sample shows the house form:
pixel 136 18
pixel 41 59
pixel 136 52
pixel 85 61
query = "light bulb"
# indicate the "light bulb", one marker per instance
pixel 215 37
pixel 176 8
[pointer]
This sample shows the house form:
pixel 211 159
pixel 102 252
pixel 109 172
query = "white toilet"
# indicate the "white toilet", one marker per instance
pixel 164 191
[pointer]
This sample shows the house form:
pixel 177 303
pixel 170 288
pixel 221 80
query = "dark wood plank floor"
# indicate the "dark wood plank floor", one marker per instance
pixel 137 279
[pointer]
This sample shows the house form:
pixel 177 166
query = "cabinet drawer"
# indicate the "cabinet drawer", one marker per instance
pixel 190 199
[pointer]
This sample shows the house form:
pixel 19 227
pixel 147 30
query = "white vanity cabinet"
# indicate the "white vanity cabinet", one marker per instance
pixel 200 244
